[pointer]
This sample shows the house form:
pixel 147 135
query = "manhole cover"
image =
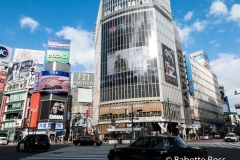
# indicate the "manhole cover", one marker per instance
pixel 57 152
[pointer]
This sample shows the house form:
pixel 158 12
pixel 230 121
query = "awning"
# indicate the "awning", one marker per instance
pixel 3 131
pixel 123 129
pixel 59 130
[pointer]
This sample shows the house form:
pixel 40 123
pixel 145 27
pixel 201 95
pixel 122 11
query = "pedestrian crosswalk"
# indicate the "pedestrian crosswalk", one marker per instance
pixel 216 144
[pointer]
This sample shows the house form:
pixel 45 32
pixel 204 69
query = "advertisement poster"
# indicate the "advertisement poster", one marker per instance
pixel 58 50
pixel 19 70
pixel 3 78
pixel 56 110
pixel 132 65
pixel 169 65
pixel 54 82
pixel 5 55
pixel 34 110
pixel 35 56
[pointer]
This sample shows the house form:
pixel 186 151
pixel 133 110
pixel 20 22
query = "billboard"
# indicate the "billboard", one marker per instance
pixel 85 95
pixel 54 82
pixel 31 78
pixel 56 110
pixel 16 85
pixel 189 73
pixel 34 110
pixel 5 55
pixel 35 56
pixel 58 50
pixel 82 79
pixel 3 78
pixel 19 70
pixel 130 65
pixel 169 65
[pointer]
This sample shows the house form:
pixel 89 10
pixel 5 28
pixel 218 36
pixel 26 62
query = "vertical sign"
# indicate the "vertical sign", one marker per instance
pixel 3 108
pixel 89 112
pixel 189 73
pixel 34 108
pixel 31 78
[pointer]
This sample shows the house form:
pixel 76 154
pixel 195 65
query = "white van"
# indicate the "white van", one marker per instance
pixel 3 140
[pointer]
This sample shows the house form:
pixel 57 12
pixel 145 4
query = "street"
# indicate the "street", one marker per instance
pixel 217 149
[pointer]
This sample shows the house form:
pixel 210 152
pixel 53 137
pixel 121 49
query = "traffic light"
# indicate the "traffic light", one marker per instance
pixel 53 126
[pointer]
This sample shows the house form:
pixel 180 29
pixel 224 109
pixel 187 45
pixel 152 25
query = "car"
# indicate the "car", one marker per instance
pixel 231 137
pixel 34 142
pixel 206 137
pixel 157 147
pixel 87 141
pixel 3 140
pixel 218 135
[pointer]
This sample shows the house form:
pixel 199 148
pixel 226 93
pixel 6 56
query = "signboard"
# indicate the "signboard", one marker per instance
pixel 189 73
pixel 31 78
pixel 54 82
pixel 3 108
pixel 58 50
pixel 34 110
pixel 5 55
pixel 3 79
pixel 45 124
pixel 82 79
pixel 169 65
pixel 37 58
pixel 56 110
pixel 17 123
pixel 16 85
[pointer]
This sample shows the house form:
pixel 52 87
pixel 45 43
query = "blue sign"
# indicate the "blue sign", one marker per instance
pixel 59 44
pixel 3 52
pixel 189 73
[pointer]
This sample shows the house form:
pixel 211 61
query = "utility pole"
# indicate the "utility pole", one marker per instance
pixel 132 123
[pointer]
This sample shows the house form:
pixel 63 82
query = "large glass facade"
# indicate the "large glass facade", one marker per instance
pixel 128 69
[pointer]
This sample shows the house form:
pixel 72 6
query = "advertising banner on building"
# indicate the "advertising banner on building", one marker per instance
pixel 5 55
pixel 16 85
pixel 37 58
pixel 56 110
pixel 43 125
pixel 54 82
pixel 3 79
pixel 189 73
pixel 31 78
pixel 3 108
pixel 169 65
pixel 80 79
pixel 58 50
pixel 34 110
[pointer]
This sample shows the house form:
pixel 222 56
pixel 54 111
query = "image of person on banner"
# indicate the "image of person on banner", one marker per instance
pixel 169 63
pixel 15 71
pixel 119 64
pixel 57 108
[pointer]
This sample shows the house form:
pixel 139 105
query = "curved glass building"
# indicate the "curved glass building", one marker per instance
pixel 137 69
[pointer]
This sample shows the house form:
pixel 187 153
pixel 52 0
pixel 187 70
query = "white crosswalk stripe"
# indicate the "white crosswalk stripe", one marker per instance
pixel 216 144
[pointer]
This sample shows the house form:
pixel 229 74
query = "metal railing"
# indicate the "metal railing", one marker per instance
pixel 14 108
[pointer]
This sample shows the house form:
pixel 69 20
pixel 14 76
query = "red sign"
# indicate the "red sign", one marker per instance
pixel 34 110
pixel 89 112
pixel 3 108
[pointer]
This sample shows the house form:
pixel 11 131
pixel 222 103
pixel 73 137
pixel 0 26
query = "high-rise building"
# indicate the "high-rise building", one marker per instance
pixel 137 82
pixel 205 98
